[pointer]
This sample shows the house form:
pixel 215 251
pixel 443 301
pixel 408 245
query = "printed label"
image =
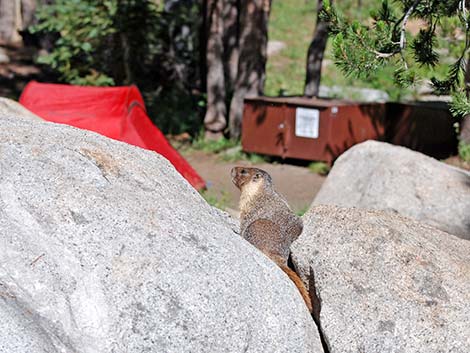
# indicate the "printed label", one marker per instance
pixel 307 122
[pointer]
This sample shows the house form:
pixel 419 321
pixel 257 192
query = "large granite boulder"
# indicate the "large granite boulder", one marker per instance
pixel 11 108
pixel 377 175
pixel 104 247
pixel 385 283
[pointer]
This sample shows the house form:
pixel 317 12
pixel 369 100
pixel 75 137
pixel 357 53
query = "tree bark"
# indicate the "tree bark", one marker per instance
pixel 10 21
pixel 215 118
pixel 315 54
pixel 464 128
pixel 16 16
pixel 231 37
pixel 254 17
pixel 28 9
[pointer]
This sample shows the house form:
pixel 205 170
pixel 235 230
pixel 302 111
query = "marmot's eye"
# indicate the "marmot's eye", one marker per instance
pixel 244 172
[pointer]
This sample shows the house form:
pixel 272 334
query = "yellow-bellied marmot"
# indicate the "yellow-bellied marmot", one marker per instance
pixel 266 220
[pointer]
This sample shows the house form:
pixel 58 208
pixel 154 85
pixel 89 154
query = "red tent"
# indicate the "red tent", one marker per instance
pixel 115 112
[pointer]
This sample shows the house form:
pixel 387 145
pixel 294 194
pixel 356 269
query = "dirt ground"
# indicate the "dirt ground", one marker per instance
pixel 298 184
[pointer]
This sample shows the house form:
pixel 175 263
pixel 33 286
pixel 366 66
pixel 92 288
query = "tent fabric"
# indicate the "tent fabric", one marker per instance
pixel 116 112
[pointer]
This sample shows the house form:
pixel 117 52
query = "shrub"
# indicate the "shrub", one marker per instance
pixel 121 42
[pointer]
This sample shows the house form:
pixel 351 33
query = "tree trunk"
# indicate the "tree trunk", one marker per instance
pixel 28 9
pixel 254 17
pixel 10 21
pixel 315 54
pixel 464 134
pixel 16 16
pixel 464 129
pixel 215 118
pixel 231 16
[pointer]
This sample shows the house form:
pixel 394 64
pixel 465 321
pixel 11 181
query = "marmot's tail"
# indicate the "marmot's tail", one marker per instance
pixel 299 284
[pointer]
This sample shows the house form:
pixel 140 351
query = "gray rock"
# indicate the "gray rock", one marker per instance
pixel 11 108
pixel 354 93
pixel 386 283
pixel 275 47
pixel 376 175
pixel 104 247
pixel 21 330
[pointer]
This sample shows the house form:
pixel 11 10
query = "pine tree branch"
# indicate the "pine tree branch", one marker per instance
pixel 383 55
pixel 405 20
pixel 463 8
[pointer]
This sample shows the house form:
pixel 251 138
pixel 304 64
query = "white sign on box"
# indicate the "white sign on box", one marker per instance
pixel 307 122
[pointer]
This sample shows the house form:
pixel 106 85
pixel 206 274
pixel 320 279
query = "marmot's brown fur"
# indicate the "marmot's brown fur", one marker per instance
pixel 266 220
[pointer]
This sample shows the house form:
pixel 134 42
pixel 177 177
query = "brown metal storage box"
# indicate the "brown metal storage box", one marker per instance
pixel 427 127
pixel 311 129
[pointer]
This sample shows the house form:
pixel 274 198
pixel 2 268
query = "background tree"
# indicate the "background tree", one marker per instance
pixel 125 41
pixel 360 49
pixel 168 49
pixel 222 27
pixel 254 16
pixel 231 39
pixel 315 54
pixel 15 16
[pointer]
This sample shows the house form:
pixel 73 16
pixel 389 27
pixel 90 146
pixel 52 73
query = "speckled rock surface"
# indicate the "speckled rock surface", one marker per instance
pixel 104 247
pixel 386 283
pixel 377 175
pixel 11 108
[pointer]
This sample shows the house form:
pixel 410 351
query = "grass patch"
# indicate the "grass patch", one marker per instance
pixel 213 146
pixel 302 211
pixel 291 22
pixel 464 151
pixel 321 168
pixel 229 150
pixel 220 201
pixel 236 154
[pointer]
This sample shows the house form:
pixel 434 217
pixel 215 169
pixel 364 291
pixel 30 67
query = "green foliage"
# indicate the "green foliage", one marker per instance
pixel 319 168
pixel 285 71
pixel 82 27
pixel 361 49
pixel 220 201
pixel 460 105
pixel 108 42
pixel 229 150
pixel 302 211
pixel 239 155
pixel 213 146
pixel 464 151
pixel 385 13
pixel 423 47
pixel 453 79
pixel 354 49
pixel 175 109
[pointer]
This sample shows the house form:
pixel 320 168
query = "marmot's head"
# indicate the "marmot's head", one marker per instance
pixel 242 176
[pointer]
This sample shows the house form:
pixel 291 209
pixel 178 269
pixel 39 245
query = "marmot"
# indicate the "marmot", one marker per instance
pixel 266 220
